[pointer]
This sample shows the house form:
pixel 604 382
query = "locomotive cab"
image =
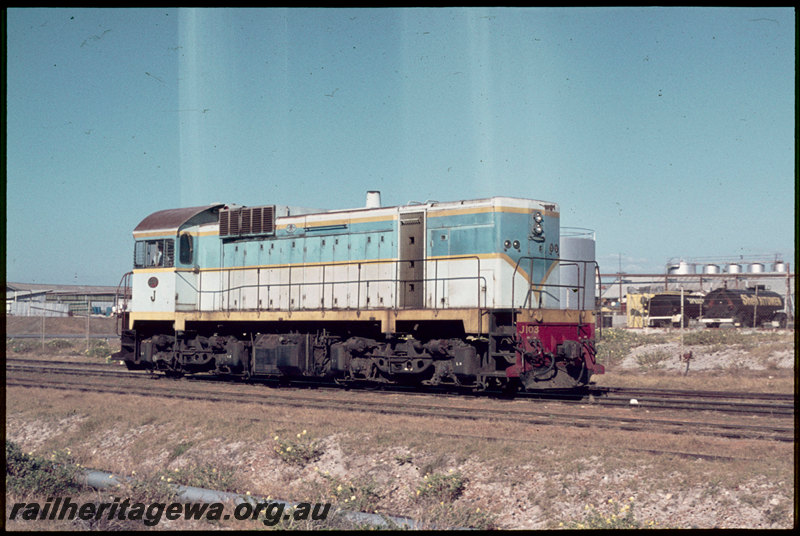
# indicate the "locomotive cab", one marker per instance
pixel 164 252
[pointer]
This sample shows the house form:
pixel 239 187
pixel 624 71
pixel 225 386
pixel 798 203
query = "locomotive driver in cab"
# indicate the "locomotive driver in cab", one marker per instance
pixel 158 255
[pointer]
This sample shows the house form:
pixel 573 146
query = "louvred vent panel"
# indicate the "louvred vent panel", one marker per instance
pixel 224 222
pixel 247 221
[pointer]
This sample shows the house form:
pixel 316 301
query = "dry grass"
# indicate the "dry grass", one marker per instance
pixel 746 380
pixel 78 350
pixel 724 359
pixel 537 477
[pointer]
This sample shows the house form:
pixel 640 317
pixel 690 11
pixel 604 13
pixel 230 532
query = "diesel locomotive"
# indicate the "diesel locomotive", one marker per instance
pixel 463 293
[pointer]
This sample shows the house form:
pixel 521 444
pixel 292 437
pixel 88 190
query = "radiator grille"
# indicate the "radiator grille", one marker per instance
pixel 246 216
pixel 247 221
pixel 224 222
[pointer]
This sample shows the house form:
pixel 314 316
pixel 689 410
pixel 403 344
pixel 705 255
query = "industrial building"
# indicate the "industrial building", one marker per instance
pixel 26 299
pixel 618 291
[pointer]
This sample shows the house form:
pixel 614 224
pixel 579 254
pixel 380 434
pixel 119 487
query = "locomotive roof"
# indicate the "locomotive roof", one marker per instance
pixel 171 218
pixel 411 205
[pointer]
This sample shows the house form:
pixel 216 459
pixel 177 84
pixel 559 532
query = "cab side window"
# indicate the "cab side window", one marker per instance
pixel 154 253
pixel 186 249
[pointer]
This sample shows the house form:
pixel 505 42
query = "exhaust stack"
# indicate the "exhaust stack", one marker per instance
pixel 373 199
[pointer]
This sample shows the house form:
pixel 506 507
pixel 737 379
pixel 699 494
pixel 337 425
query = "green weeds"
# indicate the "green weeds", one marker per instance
pixel 359 495
pixel 442 487
pixel 99 349
pixel 202 476
pixel 611 515
pixel 439 493
pixel 27 474
pixel 300 451
pixel 617 344
pixel 21 346
pixel 57 345
pixel 402 459
pixel 180 449
pixel 653 360
pixel 96 348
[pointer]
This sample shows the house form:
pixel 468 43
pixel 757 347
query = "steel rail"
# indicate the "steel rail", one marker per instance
pixel 646 398
pixel 543 417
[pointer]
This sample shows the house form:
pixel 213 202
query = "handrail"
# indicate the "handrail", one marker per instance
pixel 323 283
pixel 121 311
pixel 596 316
pixel 543 285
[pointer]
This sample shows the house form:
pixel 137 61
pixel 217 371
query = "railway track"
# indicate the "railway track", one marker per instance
pixel 774 404
pixel 721 401
pixel 138 383
pixel 69 368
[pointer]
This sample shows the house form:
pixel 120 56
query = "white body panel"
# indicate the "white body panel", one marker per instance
pixel 158 299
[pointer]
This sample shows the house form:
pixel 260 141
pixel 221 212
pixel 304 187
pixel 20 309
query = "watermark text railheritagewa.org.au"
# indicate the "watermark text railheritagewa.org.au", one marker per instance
pixel 270 513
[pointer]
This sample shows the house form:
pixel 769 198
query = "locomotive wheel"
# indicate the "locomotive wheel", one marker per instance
pixel 510 387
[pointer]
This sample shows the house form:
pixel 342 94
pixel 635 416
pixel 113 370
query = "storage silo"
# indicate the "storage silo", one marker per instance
pixel 779 266
pixel 756 268
pixel 734 268
pixel 711 269
pixel 682 268
pixel 577 254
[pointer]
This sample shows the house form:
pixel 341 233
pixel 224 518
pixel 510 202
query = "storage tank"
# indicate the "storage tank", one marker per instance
pixel 682 268
pixel 750 307
pixel 756 268
pixel 779 266
pixel 734 268
pixel 711 269
pixel 577 250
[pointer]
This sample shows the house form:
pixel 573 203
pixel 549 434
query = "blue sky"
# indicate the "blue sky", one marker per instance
pixel 668 131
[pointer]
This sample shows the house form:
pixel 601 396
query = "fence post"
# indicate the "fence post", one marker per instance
pixel 755 309
pixel 88 315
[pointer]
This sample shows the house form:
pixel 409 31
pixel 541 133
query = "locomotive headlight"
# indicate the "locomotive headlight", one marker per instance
pixel 516 244
pixel 507 244
pixel 537 230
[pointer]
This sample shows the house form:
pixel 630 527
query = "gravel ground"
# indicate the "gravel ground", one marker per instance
pixel 521 485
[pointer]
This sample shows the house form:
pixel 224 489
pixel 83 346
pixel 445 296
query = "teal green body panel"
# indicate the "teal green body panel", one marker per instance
pixel 481 233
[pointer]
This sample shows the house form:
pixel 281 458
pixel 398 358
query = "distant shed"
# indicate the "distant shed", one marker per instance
pixel 30 299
